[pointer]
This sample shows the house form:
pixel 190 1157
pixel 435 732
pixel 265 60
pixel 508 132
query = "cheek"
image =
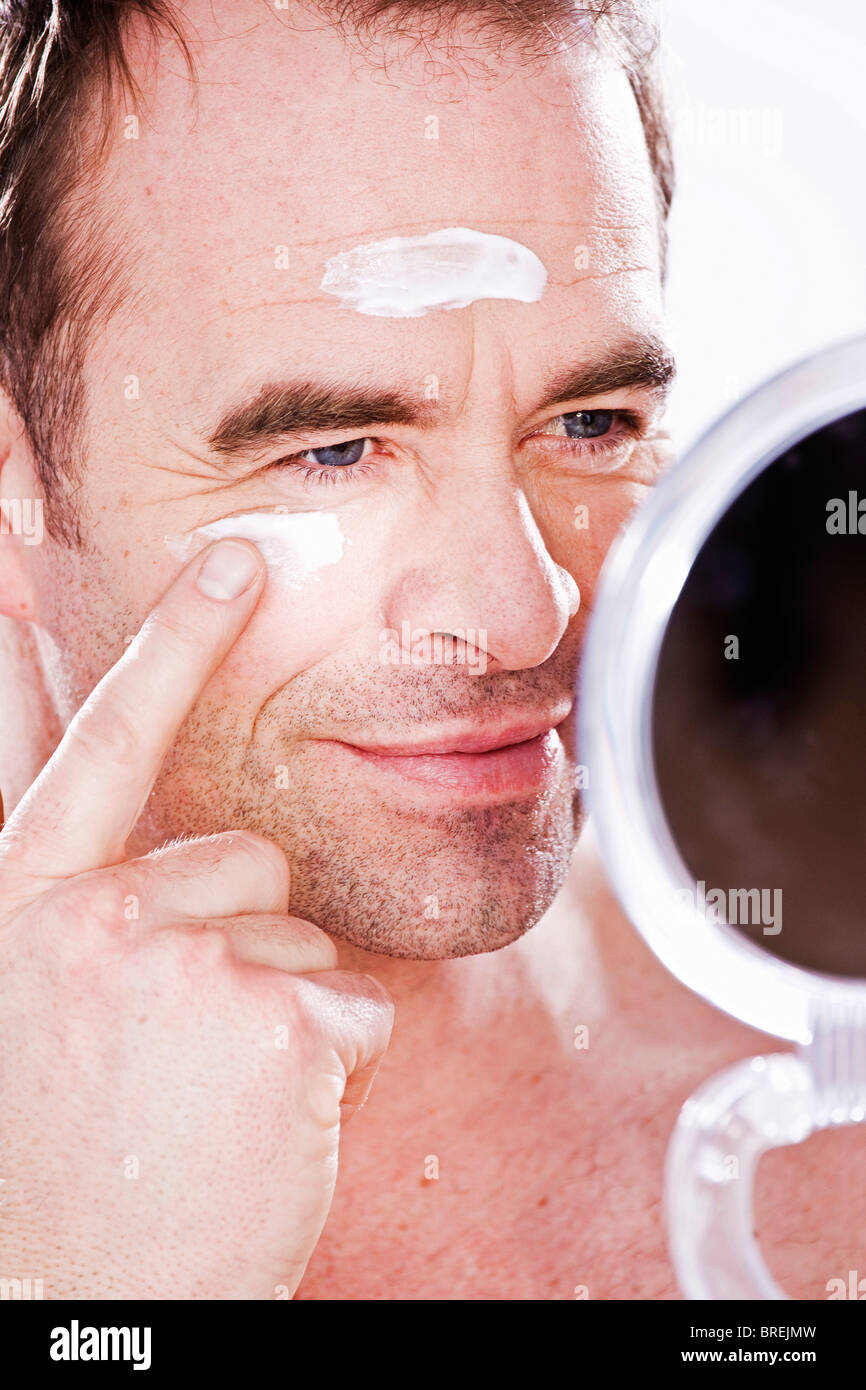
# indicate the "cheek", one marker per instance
pixel 583 524
pixel 295 629
pixel 579 517
pixel 86 612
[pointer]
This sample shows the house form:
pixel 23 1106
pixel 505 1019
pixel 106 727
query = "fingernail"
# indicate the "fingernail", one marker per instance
pixel 229 569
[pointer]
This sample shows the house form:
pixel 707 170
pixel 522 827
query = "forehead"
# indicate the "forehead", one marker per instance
pixel 297 146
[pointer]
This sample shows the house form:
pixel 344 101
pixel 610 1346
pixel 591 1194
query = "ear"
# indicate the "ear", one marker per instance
pixel 21 516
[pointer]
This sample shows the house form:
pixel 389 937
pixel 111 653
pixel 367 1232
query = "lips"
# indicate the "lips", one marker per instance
pixel 512 760
pixel 468 740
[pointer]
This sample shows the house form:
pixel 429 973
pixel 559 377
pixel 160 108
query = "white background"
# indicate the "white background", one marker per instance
pixel 768 229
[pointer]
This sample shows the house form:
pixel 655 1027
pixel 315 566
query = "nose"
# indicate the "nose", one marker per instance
pixel 480 573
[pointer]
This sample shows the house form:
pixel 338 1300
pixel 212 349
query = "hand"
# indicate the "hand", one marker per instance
pixel 176 1052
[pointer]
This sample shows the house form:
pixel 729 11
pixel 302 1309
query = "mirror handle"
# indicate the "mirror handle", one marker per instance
pixel 722 1131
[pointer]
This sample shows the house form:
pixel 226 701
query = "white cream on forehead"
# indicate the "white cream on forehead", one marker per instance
pixel 294 545
pixel 406 277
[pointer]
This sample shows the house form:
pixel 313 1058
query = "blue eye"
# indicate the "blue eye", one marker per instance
pixel 587 424
pixel 337 455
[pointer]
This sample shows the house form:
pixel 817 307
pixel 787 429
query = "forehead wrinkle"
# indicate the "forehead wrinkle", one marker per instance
pixel 225 312
pixel 606 275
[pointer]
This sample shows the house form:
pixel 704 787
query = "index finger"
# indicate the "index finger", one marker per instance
pixel 80 811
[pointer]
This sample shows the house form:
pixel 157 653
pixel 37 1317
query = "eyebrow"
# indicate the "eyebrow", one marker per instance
pixel 645 363
pixel 307 407
pixel 278 409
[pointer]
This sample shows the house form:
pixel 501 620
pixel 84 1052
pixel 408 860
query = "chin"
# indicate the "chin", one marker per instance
pixel 442 907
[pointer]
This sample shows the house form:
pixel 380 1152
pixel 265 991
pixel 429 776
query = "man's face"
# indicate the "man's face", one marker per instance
pixel 473 520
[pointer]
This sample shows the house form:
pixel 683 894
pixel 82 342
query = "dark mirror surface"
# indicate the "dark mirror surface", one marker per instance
pixel 759 714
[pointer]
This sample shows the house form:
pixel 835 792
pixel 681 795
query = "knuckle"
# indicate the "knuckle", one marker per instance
pixel 96 900
pixel 375 1010
pixel 192 956
pixel 302 1000
pixel 367 987
pixel 264 852
pixel 281 1003
pixel 105 735
pixel 16 842
pixel 174 629
pixel 80 921
pixel 336 999
pixel 314 942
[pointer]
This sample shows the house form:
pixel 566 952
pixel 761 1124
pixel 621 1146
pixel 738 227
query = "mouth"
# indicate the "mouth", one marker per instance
pixel 474 764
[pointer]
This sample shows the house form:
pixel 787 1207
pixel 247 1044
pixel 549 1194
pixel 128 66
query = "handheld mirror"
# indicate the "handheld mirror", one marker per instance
pixel 723 722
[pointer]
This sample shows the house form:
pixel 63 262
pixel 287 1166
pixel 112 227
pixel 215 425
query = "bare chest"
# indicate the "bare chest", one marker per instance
pixel 541 1200
pixel 531 1204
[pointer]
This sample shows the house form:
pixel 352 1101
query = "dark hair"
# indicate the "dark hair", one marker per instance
pixel 61 272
